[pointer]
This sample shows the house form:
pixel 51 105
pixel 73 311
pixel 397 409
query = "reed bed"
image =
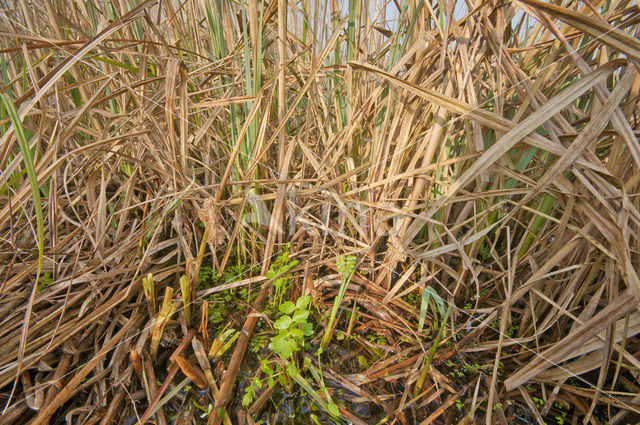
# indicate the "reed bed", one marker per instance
pixel 399 212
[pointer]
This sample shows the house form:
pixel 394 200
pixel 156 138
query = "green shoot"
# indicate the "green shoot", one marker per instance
pixel 346 267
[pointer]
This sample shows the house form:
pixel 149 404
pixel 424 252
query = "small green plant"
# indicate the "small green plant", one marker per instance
pixel 377 338
pixel 223 343
pixel 217 310
pixel 562 414
pixel 250 391
pixel 363 362
pixel 426 362
pixel 45 281
pixel 206 274
pixel 538 401
pixel 292 327
pixel 511 330
pixel 235 273
pixel 346 268
pixel 294 374
pixel 412 298
pixel 206 410
pixel 430 298
pixel 457 374
pixel 256 383
pixel 258 342
pixel 279 268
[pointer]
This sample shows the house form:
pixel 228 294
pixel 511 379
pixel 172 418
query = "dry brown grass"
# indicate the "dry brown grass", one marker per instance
pixel 486 150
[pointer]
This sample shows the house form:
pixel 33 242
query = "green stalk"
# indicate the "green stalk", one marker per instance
pixel 37 205
pixel 31 174
pixel 213 9
pixel 545 208
pixel 351 29
pixel 329 407
pixel 395 50
pixel 429 359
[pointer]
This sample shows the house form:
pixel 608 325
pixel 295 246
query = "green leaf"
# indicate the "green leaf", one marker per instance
pixel 424 306
pixel 247 399
pixel 266 369
pixel 287 307
pixel 333 409
pixel 283 323
pixel 439 301
pixel 427 294
pixel 307 328
pixel 280 344
pixel 292 370
pixel 303 302
pixel 300 316
pixel 298 334
pixel 293 345
pixel 29 165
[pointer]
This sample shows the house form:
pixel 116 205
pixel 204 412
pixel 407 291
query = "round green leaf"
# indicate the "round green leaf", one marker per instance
pixel 283 323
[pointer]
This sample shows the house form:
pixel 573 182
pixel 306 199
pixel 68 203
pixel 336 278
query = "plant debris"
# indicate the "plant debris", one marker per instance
pixel 271 212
